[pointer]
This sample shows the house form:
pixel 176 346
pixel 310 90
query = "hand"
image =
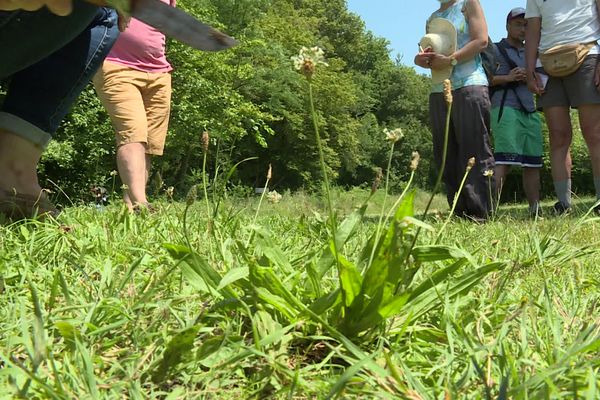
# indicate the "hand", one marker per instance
pixel 534 83
pixel 423 59
pixel 58 7
pixel 123 21
pixel 518 75
pixel 440 61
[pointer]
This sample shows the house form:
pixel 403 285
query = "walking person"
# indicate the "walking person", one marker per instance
pixel 49 54
pixel 516 126
pixel 456 35
pixel 565 34
pixel 134 84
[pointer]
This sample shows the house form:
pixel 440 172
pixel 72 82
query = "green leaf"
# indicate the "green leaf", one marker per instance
pixel 350 280
pixel 233 275
pixel 438 253
pixel 178 348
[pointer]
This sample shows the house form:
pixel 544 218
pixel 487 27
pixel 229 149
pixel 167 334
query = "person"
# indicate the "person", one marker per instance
pixel 550 24
pixel 516 126
pixel 134 84
pixel 48 56
pixel 470 115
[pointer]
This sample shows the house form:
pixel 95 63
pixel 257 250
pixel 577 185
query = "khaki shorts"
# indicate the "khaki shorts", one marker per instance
pixel 139 104
pixel 574 90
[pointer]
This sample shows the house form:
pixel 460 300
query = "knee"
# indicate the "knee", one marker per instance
pixel 560 138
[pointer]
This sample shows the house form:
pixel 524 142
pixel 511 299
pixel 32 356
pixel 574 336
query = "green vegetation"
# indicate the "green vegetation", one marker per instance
pixel 351 294
pixel 113 305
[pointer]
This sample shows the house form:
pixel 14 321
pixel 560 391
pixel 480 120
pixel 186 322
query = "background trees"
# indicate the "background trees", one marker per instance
pixel 254 105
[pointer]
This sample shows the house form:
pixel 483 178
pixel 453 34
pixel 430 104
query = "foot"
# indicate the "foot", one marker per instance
pixel 560 208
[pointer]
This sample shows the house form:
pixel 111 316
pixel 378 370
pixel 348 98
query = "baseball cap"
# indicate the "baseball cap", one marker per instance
pixel 515 13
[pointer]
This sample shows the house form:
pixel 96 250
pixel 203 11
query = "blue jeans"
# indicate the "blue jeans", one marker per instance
pixel 48 61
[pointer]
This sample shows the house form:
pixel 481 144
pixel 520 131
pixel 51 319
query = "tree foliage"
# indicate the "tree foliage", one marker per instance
pixel 254 104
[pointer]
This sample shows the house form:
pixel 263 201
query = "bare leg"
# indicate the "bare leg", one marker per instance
pixel 500 171
pixel 531 186
pixel 589 119
pixel 561 134
pixel 133 169
pixel 18 164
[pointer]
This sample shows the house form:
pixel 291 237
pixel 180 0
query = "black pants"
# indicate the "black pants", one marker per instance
pixel 469 136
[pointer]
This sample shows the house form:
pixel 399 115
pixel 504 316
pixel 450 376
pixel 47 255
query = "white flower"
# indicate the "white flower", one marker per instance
pixel 308 59
pixel 274 197
pixel 488 173
pixel 393 135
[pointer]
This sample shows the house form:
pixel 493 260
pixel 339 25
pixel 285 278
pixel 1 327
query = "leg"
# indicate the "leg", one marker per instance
pixel 472 118
pixel 589 119
pixel 531 186
pixel 437 115
pixel 40 95
pixel 120 89
pixel 500 172
pixel 559 126
pixel 133 169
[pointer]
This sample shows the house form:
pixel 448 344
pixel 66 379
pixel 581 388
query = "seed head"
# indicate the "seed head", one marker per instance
pixel 414 162
pixel 471 163
pixel 205 140
pixel 269 172
pixel 308 59
pixel 192 195
pixel 448 91
pixel 377 181
pixel 488 173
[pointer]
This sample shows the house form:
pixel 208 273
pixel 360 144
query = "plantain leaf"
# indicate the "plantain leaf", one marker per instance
pixel 180 346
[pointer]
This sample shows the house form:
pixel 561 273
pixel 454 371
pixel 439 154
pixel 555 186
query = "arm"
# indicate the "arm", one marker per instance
pixel 532 41
pixel 479 37
pixel 515 75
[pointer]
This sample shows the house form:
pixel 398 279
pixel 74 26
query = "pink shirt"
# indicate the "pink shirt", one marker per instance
pixel 141 47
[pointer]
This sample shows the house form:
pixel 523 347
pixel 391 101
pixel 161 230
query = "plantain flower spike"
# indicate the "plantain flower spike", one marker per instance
pixel 205 140
pixel 471 163
pixel 270 172
pixel 414 162
pixel 448 91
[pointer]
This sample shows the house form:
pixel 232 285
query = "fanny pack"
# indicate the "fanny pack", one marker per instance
pixel 565 59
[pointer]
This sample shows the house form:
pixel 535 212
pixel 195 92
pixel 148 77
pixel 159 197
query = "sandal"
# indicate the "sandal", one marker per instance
pixel 17 206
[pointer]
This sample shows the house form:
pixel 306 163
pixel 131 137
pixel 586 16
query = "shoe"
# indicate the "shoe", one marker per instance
pixel 596 210
pixel 536 212
pixel 17 206
pixel 560 208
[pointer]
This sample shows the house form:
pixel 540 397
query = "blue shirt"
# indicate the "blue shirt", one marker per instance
pixel 466 73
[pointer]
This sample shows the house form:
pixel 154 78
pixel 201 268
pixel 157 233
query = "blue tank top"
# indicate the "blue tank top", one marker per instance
pixel 467 73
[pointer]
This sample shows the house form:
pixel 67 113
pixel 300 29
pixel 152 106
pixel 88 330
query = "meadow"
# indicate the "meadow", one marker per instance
pixel 243 298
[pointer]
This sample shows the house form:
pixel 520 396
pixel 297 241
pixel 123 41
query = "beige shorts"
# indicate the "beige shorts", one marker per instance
pixel 139 104
pixel 574 90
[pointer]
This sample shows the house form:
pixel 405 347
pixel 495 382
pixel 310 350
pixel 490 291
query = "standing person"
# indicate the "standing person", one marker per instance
pixel 516 127
pixel 574 81
pixel 463 23
pixel 134 85
pixel 49 54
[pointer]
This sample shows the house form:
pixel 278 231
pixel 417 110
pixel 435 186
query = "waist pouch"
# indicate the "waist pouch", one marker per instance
pixel 565 59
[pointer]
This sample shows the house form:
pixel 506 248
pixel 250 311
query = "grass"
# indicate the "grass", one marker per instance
pixel 112 305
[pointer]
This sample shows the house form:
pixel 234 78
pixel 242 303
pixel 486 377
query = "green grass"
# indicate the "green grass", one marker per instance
pixel 112 305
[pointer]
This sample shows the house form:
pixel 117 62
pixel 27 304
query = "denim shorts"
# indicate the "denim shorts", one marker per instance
pixel 48 70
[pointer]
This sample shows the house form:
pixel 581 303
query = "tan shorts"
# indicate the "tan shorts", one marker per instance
pixel 139 104
pixel 574 90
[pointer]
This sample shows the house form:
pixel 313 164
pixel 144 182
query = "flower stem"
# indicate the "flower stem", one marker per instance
pixel 323 169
